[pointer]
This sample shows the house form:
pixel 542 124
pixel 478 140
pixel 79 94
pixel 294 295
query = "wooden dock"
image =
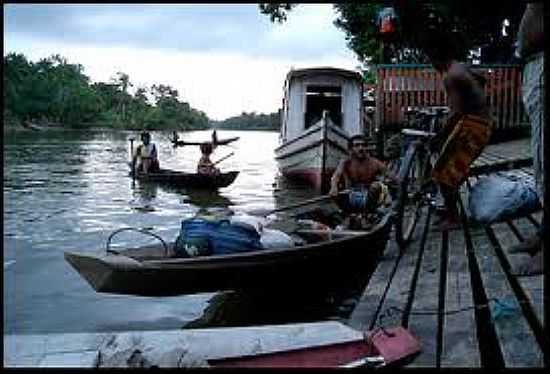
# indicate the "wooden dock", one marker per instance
pixel 455 291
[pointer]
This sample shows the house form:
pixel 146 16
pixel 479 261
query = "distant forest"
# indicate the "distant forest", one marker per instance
pixel 53 91
pixel 250 121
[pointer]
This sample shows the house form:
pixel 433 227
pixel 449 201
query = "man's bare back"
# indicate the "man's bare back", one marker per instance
pixel 465 91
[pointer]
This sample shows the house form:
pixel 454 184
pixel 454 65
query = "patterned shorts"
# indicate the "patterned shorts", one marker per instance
pixel 467 140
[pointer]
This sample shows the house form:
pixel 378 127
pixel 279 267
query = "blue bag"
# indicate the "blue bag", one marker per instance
pixel 199 236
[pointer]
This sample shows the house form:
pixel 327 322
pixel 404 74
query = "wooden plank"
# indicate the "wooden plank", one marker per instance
pixel 514 101
pixel 510 149
pixel 515 337
pixel 460 347
pixel 426 298
pixel 401 288
pixel 506 98
pixel 426 76
pixel 414 87
pixel 419 87
pixel 533 287
pixel 500 166
pixel 498 95
pixel 366 310
pixel 407 91
pixel 371 303
pixel 490 92
pixel 393 92
pixel 382 292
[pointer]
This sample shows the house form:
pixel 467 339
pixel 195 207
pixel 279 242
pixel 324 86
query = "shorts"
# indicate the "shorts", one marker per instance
pixel 467 140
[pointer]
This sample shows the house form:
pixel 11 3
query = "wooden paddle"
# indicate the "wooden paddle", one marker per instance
pixel 223 158
pixel 307 202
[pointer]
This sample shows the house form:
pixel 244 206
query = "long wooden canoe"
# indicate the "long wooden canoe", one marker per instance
pixel 190 180
pixel 151 271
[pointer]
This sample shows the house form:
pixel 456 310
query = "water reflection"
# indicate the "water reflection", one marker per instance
pixel 207 199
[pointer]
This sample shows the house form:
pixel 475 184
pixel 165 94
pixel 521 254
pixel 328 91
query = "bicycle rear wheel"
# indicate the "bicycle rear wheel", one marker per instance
pixel 409 199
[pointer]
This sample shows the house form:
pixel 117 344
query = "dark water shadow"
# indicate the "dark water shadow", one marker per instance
pixel 279 306
pixel 207 199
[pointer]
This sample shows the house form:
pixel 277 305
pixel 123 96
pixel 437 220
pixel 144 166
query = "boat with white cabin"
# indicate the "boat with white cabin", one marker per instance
pixel 322 109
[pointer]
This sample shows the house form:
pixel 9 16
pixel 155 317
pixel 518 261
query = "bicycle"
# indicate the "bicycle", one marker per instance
pixel 416 189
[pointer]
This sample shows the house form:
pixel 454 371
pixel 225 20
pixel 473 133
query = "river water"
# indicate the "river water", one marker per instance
pixel 67 191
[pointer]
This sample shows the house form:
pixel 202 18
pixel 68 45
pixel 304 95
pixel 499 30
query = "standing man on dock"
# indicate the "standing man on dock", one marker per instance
pixel 530 49
pixel 468 128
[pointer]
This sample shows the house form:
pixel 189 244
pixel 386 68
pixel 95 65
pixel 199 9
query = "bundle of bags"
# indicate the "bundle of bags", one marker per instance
pixel 205 235
pixel 502 197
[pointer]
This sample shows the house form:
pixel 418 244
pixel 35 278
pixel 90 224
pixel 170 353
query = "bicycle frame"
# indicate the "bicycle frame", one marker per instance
pixel 416 188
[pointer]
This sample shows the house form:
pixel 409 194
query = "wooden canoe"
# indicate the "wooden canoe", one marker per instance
pixel 189 180
pixel 150 271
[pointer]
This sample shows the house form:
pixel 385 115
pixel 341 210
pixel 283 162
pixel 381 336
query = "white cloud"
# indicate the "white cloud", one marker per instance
pixel 222 82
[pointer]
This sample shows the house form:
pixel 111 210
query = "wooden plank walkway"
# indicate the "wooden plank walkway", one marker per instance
pixel 455 291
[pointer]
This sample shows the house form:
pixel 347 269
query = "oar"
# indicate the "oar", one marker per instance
pixel 307 202
pixel 223 158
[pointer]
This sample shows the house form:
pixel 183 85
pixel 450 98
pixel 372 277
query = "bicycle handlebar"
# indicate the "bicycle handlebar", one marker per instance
pixel 426 111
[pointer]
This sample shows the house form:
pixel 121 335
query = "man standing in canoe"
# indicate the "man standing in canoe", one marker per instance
pixel 359 173
pixel 146 156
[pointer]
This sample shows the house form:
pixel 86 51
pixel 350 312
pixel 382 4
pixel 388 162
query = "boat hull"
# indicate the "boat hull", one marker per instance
pixel 276 269
pixel 313 156
pixel 189 180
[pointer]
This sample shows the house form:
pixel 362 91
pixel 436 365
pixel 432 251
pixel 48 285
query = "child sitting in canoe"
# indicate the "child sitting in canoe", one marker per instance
pixel 206 166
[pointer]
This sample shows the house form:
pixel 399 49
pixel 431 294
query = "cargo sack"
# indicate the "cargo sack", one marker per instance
pixel 498 198
pixel 202 237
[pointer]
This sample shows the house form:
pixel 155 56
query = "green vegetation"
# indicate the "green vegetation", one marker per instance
pixel 251 121
pixel 53 91
pixel 475 24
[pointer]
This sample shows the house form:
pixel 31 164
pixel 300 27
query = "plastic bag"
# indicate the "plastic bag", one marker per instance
pixel 498 198
pixel 257 223
pixel 272 239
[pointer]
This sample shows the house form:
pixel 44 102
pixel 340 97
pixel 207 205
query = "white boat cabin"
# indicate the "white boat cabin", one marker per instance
pixel 309 92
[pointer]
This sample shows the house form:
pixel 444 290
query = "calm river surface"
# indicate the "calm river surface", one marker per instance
pixel 70 190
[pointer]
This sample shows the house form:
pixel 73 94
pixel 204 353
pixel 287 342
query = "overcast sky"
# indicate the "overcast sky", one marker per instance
pixel 223 58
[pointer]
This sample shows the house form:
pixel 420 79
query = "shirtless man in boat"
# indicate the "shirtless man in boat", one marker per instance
pixel 146 156
pixel 361 173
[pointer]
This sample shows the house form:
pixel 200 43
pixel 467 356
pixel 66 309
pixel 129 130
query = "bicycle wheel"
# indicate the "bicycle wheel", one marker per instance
pixel 409 198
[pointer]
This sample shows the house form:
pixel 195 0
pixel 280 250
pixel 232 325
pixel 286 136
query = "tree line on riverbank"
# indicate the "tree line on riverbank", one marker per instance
pixel 54 91
pixel 251 121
